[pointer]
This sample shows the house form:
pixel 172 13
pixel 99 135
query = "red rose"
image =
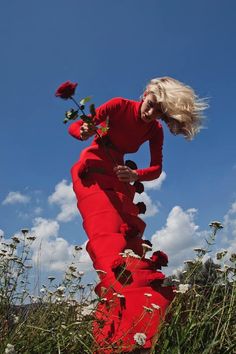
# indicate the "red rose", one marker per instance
pixel 66 90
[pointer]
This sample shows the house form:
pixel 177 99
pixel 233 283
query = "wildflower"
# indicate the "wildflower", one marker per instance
pixel 129 253
pixel 155 306
pixel 81 273
pixel 183 288
pixel 19 262
pixel 42 290
pixel 126 252
pixel 228 269
pixel 233 257
pixel 216 225
pixel 175 280
pixel 15 319
pixel 219 270
pixel 28 266
pixel 60 289
pixel 78 248
pixel 31 238
pixel 16 239
pixel 10 349
pixel 100 271
pixel 72 268
pixel 25 231
pixel 34 299
pixel 140 338
pixel 200 251
pixel 120 296
pixel 188 261
pixel 51 278
pixel 147 294
pixel 146 247
pixel 12 245
pixel 148 309
pixel 81 287
pixel 220 255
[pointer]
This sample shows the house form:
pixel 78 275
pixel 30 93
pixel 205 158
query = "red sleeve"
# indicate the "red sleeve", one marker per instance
pixel 74 129
pixel 155 146
pixel 102 112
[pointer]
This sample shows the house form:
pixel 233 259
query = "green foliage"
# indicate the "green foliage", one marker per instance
pixel 85 100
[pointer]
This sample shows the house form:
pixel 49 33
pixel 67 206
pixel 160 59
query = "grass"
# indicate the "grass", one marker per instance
pixel 201 319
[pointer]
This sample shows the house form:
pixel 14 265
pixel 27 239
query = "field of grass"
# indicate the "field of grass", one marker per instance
pixel 201 319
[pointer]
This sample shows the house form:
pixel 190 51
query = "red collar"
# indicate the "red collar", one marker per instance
pixel 137 107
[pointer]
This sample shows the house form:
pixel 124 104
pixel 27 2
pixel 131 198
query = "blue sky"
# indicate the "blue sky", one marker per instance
pixel 112 48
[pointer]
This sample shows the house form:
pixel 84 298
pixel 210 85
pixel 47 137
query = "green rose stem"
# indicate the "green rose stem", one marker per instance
pixel 100 137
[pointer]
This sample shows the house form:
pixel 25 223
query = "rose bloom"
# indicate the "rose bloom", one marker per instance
pixel 66 90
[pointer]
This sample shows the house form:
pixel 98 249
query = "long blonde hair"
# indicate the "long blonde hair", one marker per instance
pixel 180 104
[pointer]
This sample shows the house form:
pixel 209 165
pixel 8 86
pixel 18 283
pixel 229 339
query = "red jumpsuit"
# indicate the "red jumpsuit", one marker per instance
pixel 110 219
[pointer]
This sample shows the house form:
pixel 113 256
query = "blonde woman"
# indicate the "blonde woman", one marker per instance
pixel 164 100
pixel 105 186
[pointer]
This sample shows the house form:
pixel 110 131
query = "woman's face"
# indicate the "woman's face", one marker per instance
pixel 150 109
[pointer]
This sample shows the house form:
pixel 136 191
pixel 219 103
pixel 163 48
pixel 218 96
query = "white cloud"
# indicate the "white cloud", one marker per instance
pixel 155 184
pixel 52 252
pixel 64 197
pixel 229 231
pixel 178 237
pixel 38 210
pixel 16 197
pixel 85 263
pixel 152 208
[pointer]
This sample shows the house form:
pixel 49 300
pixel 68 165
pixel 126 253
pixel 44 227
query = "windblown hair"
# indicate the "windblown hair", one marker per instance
pixel 182 108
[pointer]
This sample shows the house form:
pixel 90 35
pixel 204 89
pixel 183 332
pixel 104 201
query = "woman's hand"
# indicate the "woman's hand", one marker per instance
pixel 87 130
pixel 125 174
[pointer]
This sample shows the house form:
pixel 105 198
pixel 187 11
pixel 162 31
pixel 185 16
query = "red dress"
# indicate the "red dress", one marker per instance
pixel 110 219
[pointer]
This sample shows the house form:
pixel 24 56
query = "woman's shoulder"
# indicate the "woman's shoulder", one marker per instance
pixel 119 101
pixel 156 129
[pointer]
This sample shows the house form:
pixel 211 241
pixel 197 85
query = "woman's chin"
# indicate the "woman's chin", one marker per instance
pixel 146 119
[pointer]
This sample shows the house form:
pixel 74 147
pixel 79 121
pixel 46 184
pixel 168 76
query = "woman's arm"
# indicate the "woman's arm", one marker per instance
pixel 155 146
pixel 126 174
pixel 82 131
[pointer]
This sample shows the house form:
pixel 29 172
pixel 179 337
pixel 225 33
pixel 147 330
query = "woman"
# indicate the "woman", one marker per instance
pixel 105 186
